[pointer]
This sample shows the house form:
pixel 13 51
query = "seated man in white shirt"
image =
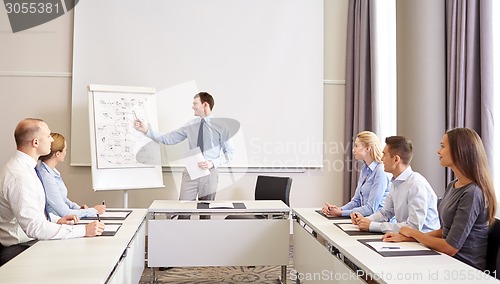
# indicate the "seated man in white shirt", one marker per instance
pixel 411 199
pixel 23 218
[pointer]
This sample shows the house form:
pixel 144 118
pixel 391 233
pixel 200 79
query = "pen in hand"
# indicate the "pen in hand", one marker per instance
pixel 356 218
pixel 103 202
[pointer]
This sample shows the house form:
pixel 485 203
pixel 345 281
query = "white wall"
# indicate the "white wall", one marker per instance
pixel 35 75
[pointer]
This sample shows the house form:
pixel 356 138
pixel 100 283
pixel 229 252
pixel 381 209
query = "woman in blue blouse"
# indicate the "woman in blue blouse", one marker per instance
pixel 373 183
pixel 56 191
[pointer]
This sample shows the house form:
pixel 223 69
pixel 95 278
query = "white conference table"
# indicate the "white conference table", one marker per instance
pixel 103 259
pixel 218 241
pixel 321 251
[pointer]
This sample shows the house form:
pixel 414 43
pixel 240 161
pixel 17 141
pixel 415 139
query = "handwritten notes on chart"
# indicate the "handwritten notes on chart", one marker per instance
pixel 118 143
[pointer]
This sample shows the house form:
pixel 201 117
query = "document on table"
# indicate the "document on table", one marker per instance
pixel 388 249
pixel 403 246
pixel 112 228
pixel 353 230
pixel 191 159
pixel 221 205
pixel 111 214
pixel 86 221
pixel 349 227
pixel 109 229
pixel 115 214
pixel 332 217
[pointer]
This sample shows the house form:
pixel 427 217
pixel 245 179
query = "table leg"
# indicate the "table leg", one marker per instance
pixel 152 274
pixel 283 274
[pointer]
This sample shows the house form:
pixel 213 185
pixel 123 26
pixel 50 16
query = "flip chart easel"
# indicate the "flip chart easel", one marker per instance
pixel 122 158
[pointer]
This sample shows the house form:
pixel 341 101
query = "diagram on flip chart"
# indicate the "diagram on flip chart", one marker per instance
pixel 118 143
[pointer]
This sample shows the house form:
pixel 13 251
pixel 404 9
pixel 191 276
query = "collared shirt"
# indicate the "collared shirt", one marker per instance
pixel 218 147
pixel 57 194
pixel 22 203
pixel 412 201
pixel 373 187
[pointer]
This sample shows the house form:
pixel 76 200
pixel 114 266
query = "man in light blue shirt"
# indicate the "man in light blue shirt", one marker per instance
pixel 411 199
pixel 215 145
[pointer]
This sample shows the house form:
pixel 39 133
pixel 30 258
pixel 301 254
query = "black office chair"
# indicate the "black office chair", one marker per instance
pixel 269 188
pixel 493 257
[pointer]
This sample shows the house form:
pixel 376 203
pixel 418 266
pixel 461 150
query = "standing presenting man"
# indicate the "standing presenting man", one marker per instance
pixel 205 132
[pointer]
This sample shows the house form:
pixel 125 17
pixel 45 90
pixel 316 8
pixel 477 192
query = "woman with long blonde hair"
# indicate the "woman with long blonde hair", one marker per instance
pixel 373 182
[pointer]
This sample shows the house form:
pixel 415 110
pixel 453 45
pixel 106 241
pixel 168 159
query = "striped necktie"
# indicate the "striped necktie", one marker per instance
pixel 44 194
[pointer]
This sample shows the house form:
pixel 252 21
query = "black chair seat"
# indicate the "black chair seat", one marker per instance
pixel 269 188
pixel 493 257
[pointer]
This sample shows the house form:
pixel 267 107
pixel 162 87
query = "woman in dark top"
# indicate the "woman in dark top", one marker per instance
pixel 468 205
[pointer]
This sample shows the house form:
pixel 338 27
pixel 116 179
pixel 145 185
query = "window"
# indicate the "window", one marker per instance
pixel 496 95
pixel 385 53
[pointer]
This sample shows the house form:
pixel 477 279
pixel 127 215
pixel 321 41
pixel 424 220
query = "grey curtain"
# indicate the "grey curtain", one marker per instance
pixel 469 86
pixel 360 111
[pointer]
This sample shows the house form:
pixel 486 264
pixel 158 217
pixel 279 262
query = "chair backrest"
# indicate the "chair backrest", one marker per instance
pixel 273 188
pixel 492 261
